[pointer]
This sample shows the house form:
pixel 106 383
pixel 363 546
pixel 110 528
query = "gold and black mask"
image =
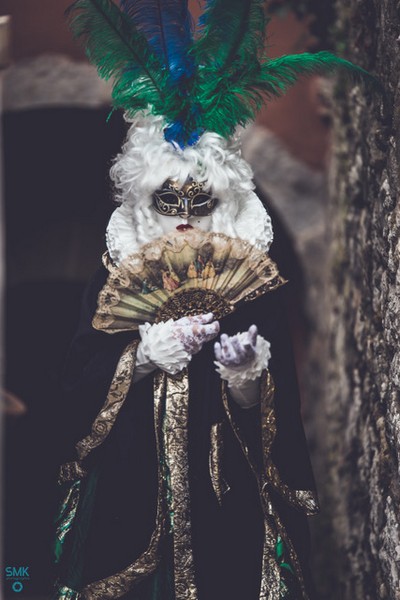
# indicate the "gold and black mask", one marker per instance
pixel 190 200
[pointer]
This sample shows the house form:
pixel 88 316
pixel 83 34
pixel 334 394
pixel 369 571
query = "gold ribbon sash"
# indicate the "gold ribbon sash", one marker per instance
pixel 176 458
pixel 273 527
pixel 171 406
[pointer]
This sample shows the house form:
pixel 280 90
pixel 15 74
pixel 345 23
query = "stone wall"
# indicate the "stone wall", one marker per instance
pixel 361 403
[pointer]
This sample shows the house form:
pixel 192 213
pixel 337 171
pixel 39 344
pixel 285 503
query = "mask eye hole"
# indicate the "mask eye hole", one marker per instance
pixel 203 205
pixel 168 199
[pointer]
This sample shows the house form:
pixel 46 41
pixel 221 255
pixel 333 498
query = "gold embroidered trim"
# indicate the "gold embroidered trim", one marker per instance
pixel 105 420
pixel 272 285
pixel 269 552
pixel 115 398
pixel 66 593
pixel 119 584
pixel 304 500
pixel 176 455
pixel 215 462
pixel 308 501
pixel 68 511
pixel 271 476
pixel 70 471
pixel 270 577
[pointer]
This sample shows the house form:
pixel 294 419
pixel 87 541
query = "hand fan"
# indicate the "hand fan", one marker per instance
pixel 183 274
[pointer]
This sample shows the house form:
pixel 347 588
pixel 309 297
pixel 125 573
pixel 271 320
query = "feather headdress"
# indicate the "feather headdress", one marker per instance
pixel 213 81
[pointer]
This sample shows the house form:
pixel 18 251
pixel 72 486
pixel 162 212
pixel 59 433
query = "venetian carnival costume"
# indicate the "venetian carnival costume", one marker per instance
pixel 191 478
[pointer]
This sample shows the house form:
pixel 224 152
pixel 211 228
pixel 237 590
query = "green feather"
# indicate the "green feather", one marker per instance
pixel 235 99
pixel 278 74
pixel 230 81
pixel 228 50
pixel 232 33
pixel 222 106
pixel 121 52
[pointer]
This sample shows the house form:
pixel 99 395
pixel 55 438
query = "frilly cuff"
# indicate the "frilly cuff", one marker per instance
pixel 237 377
pixel 161 347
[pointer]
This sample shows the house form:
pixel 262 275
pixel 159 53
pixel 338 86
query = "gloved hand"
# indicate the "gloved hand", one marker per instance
pixel 195 331
pixel 237 350
pixel 170 345
pixel 240 361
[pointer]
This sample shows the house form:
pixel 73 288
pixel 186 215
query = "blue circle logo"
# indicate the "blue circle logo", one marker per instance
pixel 17 586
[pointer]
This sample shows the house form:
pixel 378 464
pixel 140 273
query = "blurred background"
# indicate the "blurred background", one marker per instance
pixel 57 149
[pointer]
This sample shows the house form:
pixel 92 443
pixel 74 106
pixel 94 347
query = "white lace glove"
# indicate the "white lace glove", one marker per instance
pixel 170 345
pixel 240 361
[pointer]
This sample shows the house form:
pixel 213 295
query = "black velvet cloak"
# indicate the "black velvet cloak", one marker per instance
pixel 236 495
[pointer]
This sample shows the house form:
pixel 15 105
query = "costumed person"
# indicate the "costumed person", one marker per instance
pixel 191 478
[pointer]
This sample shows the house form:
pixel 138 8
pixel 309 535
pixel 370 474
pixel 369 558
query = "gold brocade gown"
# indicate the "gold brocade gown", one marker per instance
pixel 175 492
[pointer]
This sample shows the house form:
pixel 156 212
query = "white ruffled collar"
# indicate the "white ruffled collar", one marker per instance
pixel 253 224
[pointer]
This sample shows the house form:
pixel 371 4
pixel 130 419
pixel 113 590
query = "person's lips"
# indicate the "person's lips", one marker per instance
pixel 184 227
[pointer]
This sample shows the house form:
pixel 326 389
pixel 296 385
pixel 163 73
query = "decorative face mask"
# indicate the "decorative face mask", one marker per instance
pixel 187 201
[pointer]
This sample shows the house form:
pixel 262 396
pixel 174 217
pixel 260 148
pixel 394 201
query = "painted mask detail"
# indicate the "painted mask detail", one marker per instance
pixel 187 201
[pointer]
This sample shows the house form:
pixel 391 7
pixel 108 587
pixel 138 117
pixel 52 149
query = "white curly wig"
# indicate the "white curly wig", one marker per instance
pixel 147 160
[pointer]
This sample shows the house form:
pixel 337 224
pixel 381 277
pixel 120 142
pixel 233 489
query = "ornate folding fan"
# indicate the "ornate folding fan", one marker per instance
pixel 183 274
